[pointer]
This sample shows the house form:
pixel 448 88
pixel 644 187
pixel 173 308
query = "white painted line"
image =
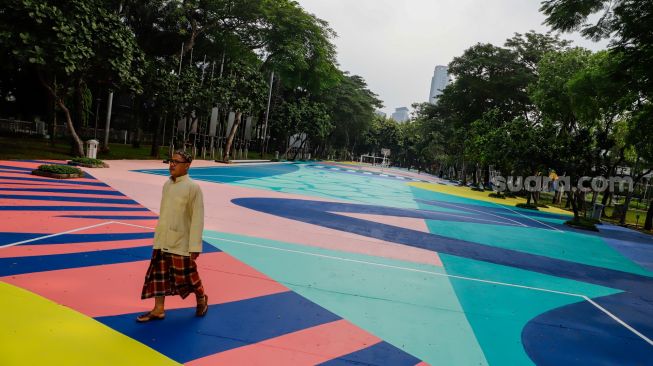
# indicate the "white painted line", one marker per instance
pixel 586 298
pixel 368 173
pixel 483 212
pixel 645 338
pixel 53 235
pixel 528 217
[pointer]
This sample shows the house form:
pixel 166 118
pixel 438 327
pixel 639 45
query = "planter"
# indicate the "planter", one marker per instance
pixel 56 175
pixel 103 165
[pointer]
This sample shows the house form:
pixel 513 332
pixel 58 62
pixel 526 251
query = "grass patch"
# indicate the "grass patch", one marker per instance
pixel 40 148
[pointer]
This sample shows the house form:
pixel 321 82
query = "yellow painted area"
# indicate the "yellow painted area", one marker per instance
pixel 37 331
pixel 466 192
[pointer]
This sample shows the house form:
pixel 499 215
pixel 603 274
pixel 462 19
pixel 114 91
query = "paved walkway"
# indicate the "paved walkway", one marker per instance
pixel 315 263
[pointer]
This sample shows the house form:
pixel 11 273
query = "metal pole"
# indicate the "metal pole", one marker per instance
pixel 267 115
pixel 108 121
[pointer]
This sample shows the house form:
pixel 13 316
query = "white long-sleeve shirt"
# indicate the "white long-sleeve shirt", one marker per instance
pixel 181 219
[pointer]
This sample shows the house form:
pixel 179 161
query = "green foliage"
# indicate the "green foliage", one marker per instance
pixel 89 161
pixel 59 169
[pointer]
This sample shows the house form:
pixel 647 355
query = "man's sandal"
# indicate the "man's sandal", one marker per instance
pixel 144 318
pixel 203 307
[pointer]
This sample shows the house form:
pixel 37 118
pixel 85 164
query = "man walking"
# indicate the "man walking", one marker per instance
pixel 177 242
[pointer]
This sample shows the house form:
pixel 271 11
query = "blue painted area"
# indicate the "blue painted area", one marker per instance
pixel 20 265
pixel 225 326
pixel 13 172
pixel 8 238
pixel 70 208
pixel 632 244
pixel 115 217
pixel 56 181
pixel 382 353
pixel 69 199
pixel 581 334
pixel 16 169
pixel 230 174
pixel 320 213
pixel 64 190
pixel 90 238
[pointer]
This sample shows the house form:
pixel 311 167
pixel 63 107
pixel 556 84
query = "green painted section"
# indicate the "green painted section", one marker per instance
pixel 415 311
pixel 498 314
pixel 567 245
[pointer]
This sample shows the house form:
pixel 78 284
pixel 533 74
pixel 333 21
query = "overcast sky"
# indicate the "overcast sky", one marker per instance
pixel 395 45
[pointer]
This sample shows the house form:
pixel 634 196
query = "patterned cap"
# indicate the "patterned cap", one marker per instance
pixel 186 155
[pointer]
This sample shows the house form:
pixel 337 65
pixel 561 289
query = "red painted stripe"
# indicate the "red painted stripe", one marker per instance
pixel 423 364
pixel 64 194
pixel 50 222
pixel 306 347
pixel 18 202
pixel 116 288
pixel 26 250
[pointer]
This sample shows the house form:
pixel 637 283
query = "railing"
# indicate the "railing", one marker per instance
pixel 24 127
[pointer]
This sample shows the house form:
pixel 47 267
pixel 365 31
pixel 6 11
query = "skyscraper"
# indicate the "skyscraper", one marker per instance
pixel 439 81
pixel 401 114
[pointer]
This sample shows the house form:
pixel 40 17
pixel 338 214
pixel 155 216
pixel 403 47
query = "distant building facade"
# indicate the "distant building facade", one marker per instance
pixel 380 113
pixel 401 114
pixel 439 81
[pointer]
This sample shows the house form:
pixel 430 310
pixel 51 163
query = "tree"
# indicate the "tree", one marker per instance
pixel 244 90
pixel 68 42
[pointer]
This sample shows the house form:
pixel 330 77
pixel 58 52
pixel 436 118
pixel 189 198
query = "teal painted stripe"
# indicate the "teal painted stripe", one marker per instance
pixel 416 312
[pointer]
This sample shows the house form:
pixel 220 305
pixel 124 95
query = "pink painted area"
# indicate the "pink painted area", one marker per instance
pixel 115 289
pixel 26 250
pixel 404 222
pixel 224 216
pixel 423 364
pixel 51 222
pixel 65 194
pixel 19 202
pixel 306 347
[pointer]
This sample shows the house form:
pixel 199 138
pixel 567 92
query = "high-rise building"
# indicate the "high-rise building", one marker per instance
pixel 380 113
pixel 401 114
pixel 439 81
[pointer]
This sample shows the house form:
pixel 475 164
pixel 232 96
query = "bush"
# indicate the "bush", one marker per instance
pixel 527 206
pixel 59 169
pixel 88 161
pixel 497 195
pixel 583 223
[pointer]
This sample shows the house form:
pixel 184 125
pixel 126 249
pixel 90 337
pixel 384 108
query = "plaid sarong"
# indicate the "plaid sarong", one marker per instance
pixel 171 274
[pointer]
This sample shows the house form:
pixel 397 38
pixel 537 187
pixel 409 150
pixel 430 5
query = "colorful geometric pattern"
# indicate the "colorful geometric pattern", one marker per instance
pixel 316 263
pixel 87 249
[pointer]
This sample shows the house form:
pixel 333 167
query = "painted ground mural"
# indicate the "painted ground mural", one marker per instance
pixel 315 263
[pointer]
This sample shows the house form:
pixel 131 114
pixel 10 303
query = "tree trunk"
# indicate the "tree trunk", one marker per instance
pixel 79 146
pixel 572 199
pixel 648 223
pixel 232 134
pixel 156 143
pixel 622 219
